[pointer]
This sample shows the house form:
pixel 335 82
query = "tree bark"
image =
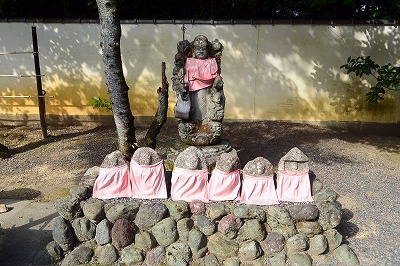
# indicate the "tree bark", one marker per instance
pixel 161 115
pixel 117 87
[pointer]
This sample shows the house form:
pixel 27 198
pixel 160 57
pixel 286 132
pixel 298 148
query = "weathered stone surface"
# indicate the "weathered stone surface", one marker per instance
pixel 89 177
pixel 279 220
pixel 316 186
pixel 299 258
pixel 131 255
pixel 325 195
pixel 165 232
pixel 232 262
pixel 198 243
pixel 210 260
pixel 216 211
pixel 178 209
pixel 258 167
pixel 106 254
pixel 68 208
pixel 230 225
pixel 251 230
pixel 330 215
pixel 81 192
pixel 122 233
pixel 346 256
pixel 334 238
pixel 150 214
pixel 93 209
pixel 278 259
pixel 103 232
pixel 84 229
pixel 228 162
pixel 197 207
pixel 295 161
pixel 145 241
pixel 178 254
pixel 146 156
pixel 184 226
pixel 204 224
pixel 249 250
pixel 273 243
pixel 82 253
pixel 308 228
pixel 55 251
pixel 126 210
pixel 63 233
pixel 114 159
pixel 303 212
pixel 250 212
pixel 192 159
pixel 297 243
pixel 318 245
pixel 70 260
pixel 221 246
pixel 156 256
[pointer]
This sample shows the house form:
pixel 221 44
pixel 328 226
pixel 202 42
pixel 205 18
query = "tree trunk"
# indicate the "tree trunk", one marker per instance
pixel 161 114
pixel 117 87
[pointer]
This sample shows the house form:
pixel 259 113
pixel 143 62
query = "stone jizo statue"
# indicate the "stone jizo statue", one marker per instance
pixel 199 88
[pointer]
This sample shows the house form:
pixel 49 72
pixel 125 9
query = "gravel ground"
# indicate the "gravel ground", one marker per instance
pixel 363 168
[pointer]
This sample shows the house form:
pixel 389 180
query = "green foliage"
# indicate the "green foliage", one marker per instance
pixel 98 102
pixel 387 76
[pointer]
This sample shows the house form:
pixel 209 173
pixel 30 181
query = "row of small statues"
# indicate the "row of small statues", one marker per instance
pixel 144 178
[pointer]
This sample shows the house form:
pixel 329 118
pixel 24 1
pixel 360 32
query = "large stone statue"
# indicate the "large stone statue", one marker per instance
pixel 199 88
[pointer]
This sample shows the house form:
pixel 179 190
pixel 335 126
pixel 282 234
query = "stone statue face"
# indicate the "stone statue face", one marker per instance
pixel 200 47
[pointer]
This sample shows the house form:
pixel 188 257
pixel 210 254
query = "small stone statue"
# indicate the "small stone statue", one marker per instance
pixel 199 87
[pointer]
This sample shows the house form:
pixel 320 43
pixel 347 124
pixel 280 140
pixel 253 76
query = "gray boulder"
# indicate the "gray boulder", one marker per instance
pixel 258 167
pixel 156 256
pixel 178 209
pixel 150 214
pixel 318 245
pixel 126 210
pixel 192 159
pixel 106 255
pixel 114 159
pixel 165 232
pixel 346 256
pixel 216 211
pixel 251 230
pixel 204 224
pixel 144 241
pixel 250 212
pixel 184 226
pixel 93 209
pixel 198 243
pixel 297 243
pixel 330 215
pixel 309 228
pixel 63 233
pixel 303 212
pixel 68 208
pixel 229 225
pixel 250 250
pixel 228 162
pixel 334 238
pixel 178 254
pixel 221 246
pixel 299 258
pixel 146 156
pixel 131 255
pixel 84 229
pixel 273 243
pixel 103 232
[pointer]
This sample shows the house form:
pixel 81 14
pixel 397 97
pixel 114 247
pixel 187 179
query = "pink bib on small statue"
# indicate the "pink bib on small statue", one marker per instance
pixel 148 181
pixel 189 185
pixel 258 190
pixel 112 183
pixel 224 186
pixel 294 187
pixel 201 73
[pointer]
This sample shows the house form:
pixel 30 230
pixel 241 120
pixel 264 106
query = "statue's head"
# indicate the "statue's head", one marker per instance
pixel 200 47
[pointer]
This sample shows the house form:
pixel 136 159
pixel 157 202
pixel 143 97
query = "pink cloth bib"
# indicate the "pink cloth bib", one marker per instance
pixel 112 183
pixel 189 185
pixel 294 187
pixel 258 190
pixel 201 73
pixel 224 186
pixel 148 181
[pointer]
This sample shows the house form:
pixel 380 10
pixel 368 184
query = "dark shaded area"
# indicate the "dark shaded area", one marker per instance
pixel 20 194
pixel 210 9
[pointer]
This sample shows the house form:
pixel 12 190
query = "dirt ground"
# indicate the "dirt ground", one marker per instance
pixel 360 164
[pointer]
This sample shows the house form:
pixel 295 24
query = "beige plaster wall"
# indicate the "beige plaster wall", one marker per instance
pixel 271 72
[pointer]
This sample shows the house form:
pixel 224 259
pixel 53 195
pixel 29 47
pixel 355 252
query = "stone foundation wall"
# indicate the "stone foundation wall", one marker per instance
pixel 164 232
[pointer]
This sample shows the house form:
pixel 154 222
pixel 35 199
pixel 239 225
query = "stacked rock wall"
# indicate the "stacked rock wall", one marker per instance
pixel 165 232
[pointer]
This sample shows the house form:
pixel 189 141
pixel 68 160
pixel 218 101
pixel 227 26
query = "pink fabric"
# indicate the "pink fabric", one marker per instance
pixel 294 187
pixel 112 183
pixel 201 73
pixel 148 181
pixel 258 190
pixel 224 186
pixel 189 185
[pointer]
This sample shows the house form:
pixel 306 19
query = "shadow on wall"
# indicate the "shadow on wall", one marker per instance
pixel 280 72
